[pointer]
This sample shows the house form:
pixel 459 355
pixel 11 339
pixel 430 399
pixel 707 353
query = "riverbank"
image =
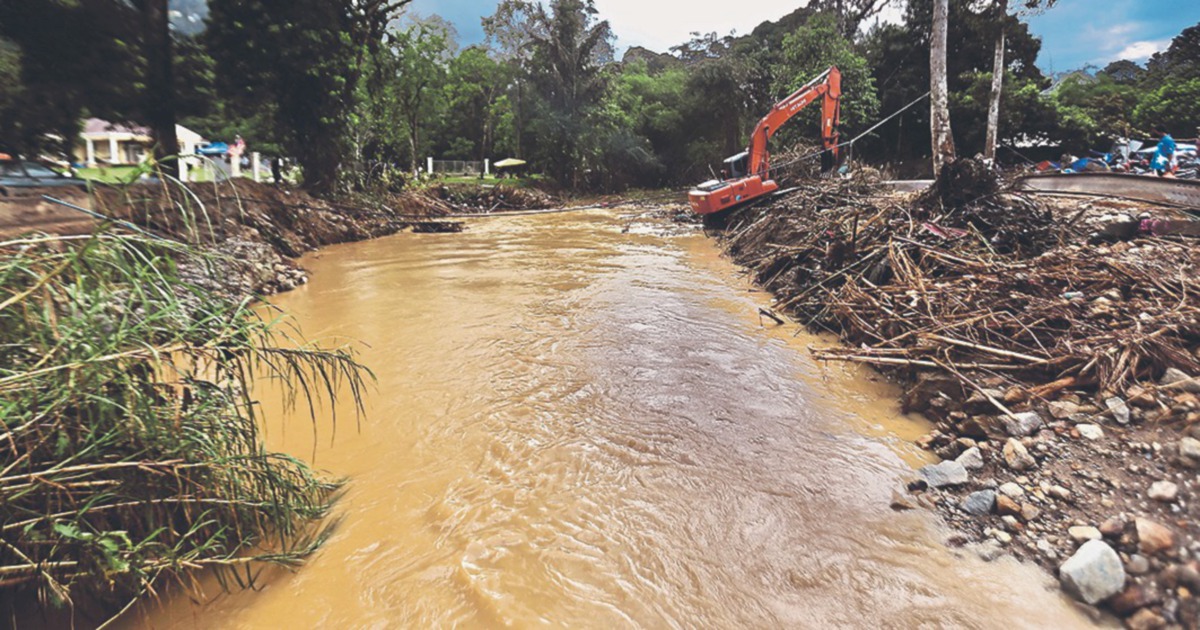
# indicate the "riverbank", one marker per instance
pixel 1053 357
pixel 133 450
pixel 258 230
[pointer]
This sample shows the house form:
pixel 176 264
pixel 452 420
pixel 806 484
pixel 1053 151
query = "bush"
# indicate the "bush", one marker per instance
pixel 131 450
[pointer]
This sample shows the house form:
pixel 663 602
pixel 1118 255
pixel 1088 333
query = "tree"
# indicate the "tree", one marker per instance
pixel 993 120
pixel 850 13
pixel 939 114
pixel 993 124
pixel 1174 105
pixel 1181 60
pixel 509 34
pixel 296 65
pixel 160 84
pixel 57 86
pixel 812 48
pixel 569 49
pixel 419 56
pixel 894 52
pixel 475 99
pixel 1123 71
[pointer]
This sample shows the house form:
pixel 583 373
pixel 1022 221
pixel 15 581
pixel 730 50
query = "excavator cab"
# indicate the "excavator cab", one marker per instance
pixel 737 166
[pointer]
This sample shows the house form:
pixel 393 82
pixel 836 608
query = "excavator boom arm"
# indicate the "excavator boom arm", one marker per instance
pixel 828 88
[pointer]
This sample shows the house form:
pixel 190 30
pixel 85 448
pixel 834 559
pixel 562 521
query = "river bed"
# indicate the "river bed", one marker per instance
pixel 580 420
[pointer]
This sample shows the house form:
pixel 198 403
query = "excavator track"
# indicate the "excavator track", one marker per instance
pixel 1169 191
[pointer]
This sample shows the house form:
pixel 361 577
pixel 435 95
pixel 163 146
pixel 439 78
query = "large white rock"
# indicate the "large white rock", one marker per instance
pixel 1094 573
pixel 948 473
pixel 971 459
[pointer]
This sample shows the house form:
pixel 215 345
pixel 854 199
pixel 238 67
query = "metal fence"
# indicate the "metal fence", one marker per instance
pixel 456 167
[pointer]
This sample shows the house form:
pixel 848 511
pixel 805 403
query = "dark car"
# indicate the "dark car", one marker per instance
pixel 19 174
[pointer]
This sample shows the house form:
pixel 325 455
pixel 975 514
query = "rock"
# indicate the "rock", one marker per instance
pixel 1133 598
pixel 1140 397
pixel 1061 409
pixel 1145 619
pixel 1153 537
pixel 1083 533
pixel 1029 512
pixel 1137 565
pixel 1015 394
pixel 1016 456
pixel 902 502
pixel 1164 491
pixel 971 459
pixel 1118 409
pixel 1023 424
pixel 1090 431
pixel 1007 507
pixel 987 550
pixel 981 427
pixel 1094 573
pixel 1003 537
pixel 979 503
pixel 1178 379
pixel 1189 452
pixel 978 401
pixel 944 474
pixel 1113 527
pixel 1059 492
pixel 1189 577
pixel 1011 489
pixel 931 385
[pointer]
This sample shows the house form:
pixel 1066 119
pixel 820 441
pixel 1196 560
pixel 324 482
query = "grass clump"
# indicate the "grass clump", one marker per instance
pixel 130 449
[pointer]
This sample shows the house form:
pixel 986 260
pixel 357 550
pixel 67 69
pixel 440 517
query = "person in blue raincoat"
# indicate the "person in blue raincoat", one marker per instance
pixel 1163 163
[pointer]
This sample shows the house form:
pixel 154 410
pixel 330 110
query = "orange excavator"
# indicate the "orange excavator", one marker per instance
pixel 747 175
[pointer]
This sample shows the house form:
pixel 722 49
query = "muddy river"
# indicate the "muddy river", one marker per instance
pixel 581 421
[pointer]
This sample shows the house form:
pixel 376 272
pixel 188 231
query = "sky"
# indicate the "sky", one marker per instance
pixel 1074 32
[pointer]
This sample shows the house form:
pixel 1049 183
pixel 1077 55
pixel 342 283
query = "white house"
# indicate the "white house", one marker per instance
pixel 117 144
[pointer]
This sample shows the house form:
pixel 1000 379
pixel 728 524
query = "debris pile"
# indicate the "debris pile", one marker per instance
pixel 470 198
pixel 1058 359
pixel 973 282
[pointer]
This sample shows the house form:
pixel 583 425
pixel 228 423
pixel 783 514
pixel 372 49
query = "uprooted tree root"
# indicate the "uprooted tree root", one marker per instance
pixel 131 451
pixel 970 280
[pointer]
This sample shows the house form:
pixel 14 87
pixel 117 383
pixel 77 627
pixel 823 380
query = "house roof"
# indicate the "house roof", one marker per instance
pixel 98 129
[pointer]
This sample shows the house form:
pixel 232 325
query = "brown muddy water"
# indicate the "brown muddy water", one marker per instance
pixel 580 421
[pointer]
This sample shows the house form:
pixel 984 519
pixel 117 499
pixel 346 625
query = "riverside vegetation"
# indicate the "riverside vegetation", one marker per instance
pixel 131 452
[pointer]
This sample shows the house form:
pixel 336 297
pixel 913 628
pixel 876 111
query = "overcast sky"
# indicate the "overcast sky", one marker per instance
pixel 1074 32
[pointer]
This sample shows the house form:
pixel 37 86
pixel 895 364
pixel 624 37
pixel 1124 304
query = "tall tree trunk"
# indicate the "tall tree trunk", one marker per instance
pixel 160 105
pixel 993 124
pixel 939 118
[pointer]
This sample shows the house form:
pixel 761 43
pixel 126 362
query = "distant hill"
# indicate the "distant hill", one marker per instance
pixel 655 62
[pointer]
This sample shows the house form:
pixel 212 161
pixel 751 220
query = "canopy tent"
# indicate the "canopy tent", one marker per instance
pixel 509 163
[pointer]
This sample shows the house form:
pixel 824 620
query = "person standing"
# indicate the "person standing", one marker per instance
pixel 1163 163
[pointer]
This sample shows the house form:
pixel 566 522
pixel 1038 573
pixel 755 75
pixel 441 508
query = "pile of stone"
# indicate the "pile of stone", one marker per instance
pixel 1101 491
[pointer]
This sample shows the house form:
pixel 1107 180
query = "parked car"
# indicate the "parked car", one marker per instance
pixel 19 174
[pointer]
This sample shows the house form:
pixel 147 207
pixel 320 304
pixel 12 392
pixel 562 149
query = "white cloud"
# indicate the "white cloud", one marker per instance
pixel 1141 51
pixel 661 24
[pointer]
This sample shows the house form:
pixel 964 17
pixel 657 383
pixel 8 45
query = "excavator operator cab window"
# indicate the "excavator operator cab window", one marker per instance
pixel 736 166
